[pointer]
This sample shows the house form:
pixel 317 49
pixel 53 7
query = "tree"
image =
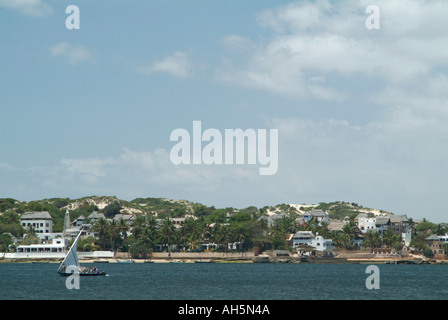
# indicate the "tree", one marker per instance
pixel 102 229
pixel 392 240
pixel 87 244
pixel 31 237
pixel 123 228
pixel 5 242
pixel 191 233
pixel 114 232
pixel 238 233
pixel 426 226
pixel 151 224
pixel 34 206
pixel 146 240
pixel 139 223
pixel 112 209
pixel 418 241
pixel 219 234
pixel 168 234
pixel 349 232
pixel 279 241
pixel 138 248
pixel 372 239
pixel 427 252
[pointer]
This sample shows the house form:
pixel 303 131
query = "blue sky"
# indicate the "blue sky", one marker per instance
pixel 362 114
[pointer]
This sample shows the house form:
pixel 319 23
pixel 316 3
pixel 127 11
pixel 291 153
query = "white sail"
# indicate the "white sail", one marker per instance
pixel 71 259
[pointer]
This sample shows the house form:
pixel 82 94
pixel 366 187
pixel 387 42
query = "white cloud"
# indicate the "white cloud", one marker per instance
pixel 74 53
pixel 28 7
pixel 178 65
pixel 329 41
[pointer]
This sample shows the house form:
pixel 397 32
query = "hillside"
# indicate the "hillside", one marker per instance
pixel 162 207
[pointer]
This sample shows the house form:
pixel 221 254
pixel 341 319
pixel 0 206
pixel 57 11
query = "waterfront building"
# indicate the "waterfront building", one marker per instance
pixel 54 248
pixel 41 222
pixel 436 246
pixel 307 238
pixel 443 239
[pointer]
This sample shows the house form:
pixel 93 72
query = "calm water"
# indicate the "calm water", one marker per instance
pixel 168 281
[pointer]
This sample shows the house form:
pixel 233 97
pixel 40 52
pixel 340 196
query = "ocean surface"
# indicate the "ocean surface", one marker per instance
pixel 226 281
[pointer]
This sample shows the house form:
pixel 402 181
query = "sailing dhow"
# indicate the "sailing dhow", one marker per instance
pixel 70 264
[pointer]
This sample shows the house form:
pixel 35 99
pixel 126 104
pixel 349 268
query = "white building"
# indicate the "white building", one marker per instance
pixel 317 215
pixel 54 248
pixel 320 244
pixel 366 224
pixel 407 237
pixel 443 239
pixel 41 222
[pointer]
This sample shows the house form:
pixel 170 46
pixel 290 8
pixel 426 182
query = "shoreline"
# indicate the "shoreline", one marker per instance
pixel 262 259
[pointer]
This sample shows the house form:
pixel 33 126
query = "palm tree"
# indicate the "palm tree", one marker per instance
pixel 139 222
pixel 323 229
pixel 219 234
pixel 102 229
pixel 168 232
pixel 192 233
pixel 348 233
pixel 114 232
pixel 238 234
pixel 146 237
pixel 31 237
pixel 151 224
pixel 372 239
pixel 123 227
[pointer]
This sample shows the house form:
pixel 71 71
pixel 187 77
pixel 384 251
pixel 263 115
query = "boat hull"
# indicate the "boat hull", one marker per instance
pixel 82 274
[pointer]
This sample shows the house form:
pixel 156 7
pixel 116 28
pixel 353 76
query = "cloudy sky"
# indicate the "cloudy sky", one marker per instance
pixel 362 114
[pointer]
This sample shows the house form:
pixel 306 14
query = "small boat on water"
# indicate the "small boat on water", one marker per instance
pixel 125 261
pixel 70 265
pixel 203 261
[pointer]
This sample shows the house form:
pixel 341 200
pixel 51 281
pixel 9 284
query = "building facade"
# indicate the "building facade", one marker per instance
pixel 40 222
pixel 307 238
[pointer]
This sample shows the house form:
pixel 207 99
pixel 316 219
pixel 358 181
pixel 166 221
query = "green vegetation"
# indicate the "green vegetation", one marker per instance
pixel 154 227
pixel 338 210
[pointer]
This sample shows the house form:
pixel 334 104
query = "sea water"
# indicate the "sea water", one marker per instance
pixel 226 281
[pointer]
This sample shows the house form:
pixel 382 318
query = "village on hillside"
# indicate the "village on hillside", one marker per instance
pixel 114 230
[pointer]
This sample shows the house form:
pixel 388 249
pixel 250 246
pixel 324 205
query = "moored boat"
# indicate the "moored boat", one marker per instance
pixel 125 261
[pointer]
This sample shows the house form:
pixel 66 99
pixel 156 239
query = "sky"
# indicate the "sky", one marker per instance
pixel 361 113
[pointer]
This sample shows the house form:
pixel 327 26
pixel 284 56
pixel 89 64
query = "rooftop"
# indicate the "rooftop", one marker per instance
pixel 33 215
